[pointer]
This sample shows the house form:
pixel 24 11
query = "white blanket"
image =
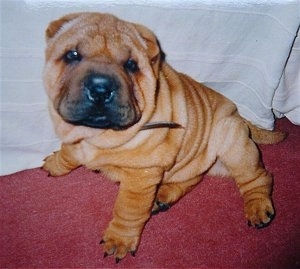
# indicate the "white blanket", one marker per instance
pixel 243 49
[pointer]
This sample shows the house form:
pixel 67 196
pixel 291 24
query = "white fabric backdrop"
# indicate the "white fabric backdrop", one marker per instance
pixel 244 49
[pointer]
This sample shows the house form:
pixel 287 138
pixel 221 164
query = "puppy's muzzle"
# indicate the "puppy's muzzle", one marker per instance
pixel 100 89
pixel 99 100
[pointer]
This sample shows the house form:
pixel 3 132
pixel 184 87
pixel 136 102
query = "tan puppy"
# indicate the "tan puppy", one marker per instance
pixel 118 107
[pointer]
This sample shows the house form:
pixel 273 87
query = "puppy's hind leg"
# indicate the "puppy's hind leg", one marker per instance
pixel 241 157
pixel 169 193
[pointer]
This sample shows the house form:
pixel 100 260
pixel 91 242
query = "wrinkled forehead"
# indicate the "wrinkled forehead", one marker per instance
pixel 99 34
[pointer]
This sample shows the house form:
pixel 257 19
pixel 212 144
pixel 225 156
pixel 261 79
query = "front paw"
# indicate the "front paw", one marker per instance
pixel 259 212
pixel 118 246
pixel 53 166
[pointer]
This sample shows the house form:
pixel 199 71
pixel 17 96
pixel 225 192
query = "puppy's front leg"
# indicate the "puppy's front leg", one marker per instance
pixel 63 161
pixel 132 210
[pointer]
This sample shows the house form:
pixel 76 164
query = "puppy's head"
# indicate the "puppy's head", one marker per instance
pixel 100 74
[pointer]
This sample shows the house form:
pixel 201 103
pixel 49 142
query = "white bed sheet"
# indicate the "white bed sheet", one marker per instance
pixel 244 49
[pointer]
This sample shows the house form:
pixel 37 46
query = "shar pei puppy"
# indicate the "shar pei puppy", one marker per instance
pixel 119 108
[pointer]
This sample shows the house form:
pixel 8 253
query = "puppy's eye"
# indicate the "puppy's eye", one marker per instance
pixel 131 66
pixel 72 56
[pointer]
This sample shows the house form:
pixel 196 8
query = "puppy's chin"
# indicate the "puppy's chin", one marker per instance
pixel 99 137
pixel 69 132
pixel 100 122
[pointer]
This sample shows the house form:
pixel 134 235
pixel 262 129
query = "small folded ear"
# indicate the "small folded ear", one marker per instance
pixel 154 50
pixel 54 26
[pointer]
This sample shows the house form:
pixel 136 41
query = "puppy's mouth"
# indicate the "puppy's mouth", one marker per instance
pixel 100 122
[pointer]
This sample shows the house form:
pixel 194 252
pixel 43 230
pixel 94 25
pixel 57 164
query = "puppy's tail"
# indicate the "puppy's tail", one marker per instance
pixel 262 136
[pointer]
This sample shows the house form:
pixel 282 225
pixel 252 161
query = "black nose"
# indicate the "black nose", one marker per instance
pixel 99 88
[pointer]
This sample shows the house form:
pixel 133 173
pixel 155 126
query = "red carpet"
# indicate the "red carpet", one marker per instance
pixel 57 222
